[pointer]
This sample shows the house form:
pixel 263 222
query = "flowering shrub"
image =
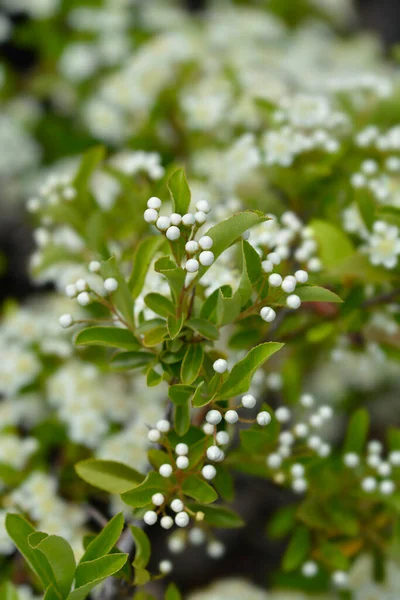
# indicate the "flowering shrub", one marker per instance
pixel 235 317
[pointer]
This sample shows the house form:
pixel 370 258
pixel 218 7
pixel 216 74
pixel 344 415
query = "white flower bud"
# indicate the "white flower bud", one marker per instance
pixel 163 223
pixel 182 519
pixel 248 401
pixel 150 517
pixel 299 485
pixel 150 215
pixel 192 265
pixel 66 321
pixel 263 418
pixel 306 400
pixel 182 449
pixel 203 206
pixel 205 242
pixel 209 472
pixel 222 438
pixel 157 499
pixel 267 266
pixel 154 203
pixel 215 549
pixel 316 420
pixel 165 470
pixel 71 290
pixel 153 435
pixel 83 299
pixel 300 430
pixel 213 417
pixel 297 470
pixel 177 505
pixel 173 233
pixel 289 284
pixel 176 544
pixel 200 217
pixel 351 459
pixel 286 438
pixel 188 220
pixel 196 536
pixel 175 219
pixel 111 284
pixel 220 365
pixel 94 266
pixel 274 461
pixel 80 284
pixel 368 484
pixel 166 522
pixel 165 566
pixel 182 462
pixel 231 416
pixel 206 258
pixel 275 280
pixel 325 412
pixel 387 487
pixel 394 458
pixel 274 258
pixel 301 276
pixel 293 301
pixel 340 579
pixel 282 414
pixel 163 425
pixel 384 469
pixel 208 428
pixel 191 247
pixel 309 569
pixel 214 453
pixel 268 314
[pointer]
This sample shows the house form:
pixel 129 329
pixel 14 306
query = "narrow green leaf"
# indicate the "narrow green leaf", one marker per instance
pixel 111 476
pixel 357 432
pixel 172 593
pixel 61 559
pixel 121 298
pixel 142 547
pixel 174 275
pixel 240 377
pixel 198 400
pixel 180 192
pixel 19 530
pixel 298 549
pixel 98 569
pixel 224 484
pixel 155 336
pixel 105 540
pixel 205 328
pixel 218 516
pixel 115 337
pixel 314 293
pixel 192 363
pixel 180 394
pixel 141 495
pixel 142 576
pixel 366 206
pixel 174 325
pixel 198 489
pixel 181 418
pixel 124 361
pixel 159 304
pixel 144 253
pixel 91 159
pixel 252 260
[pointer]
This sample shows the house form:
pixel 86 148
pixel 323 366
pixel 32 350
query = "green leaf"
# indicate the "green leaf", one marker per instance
pixel 252 261
pixel 332 556
pixel 223 483
pixel 192 363
pixel 115 337
pixel 357 432
pixel 61 560
pixel 298 549
pixel 174 275
pixel 19 530
pixel 142 576
pixel 198 489
pixel 227 232
pixel 203 327
pixel 111 476
pixel 366 206
pixel 155 336
pixel 159 304
pixel 334 244
pixel 8 591
pixel 172 593
pixel 95 570
pixel 239 379
pixel 141 495
pixel 180 394
pixel 142 258
pixel 142 547
pixel 124 361
pixel 198 400
pixel 105 540
pixel 314 293
pixel 90 161
pixel 282 522
pixel 181 418
pixel 219 516
pixel 51 593
pixel 180 192
pixel 358 267
pixel 174 325
pixel 121 298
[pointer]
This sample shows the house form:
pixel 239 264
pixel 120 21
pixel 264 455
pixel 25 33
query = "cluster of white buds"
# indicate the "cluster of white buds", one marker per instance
pixel 298 434
pixel 83 293
pixel 375 469
pixel 56 189
pixel 287 284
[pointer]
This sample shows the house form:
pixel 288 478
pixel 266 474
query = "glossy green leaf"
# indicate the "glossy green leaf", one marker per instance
pixel 159 304
pixel 199 399
pixel 142 547
pixel 357 432
pixel 239 379
pixel 174 325
pixel 192 363
pixel 141 495
pixel 298 549
pixel 98 569
pixel 121 298
pixel 111 476
pixel 19 530
pixel 203 327
pixel 180 394
pixel 144 253
pixel 105 540
pixel 218 516
pixel 174 275
pixel 198 489
pixel 61 560
pixel 314 293
pixel 114 337
pixel 155 336
pixel 8 591
pixel 125 361
pixel 181 418
pixel 180 192
pixel 224 483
